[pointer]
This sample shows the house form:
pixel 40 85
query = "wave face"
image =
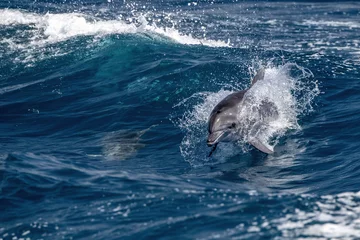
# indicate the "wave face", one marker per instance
pixel 104 111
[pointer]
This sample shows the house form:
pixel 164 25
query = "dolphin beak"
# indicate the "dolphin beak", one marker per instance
pixel 214 138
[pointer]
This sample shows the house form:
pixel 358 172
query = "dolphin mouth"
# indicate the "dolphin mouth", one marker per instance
pixel 214 138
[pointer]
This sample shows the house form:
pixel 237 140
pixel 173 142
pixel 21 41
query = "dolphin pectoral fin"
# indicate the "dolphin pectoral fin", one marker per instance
pixel 261 146
pixel 213 150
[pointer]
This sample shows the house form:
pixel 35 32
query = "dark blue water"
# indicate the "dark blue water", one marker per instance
pixel 103 120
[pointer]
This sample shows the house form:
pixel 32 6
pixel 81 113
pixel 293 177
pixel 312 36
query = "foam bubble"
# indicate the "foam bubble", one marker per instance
pixel 288 87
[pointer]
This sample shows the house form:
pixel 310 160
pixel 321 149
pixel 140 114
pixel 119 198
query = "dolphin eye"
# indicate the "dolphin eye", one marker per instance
pixel 233 125
pixel 218 111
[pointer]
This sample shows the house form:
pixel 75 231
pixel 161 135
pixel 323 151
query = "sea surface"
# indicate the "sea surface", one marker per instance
pixel 103 119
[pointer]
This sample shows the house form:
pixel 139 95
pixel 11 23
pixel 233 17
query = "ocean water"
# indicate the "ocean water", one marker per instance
pixel 104 108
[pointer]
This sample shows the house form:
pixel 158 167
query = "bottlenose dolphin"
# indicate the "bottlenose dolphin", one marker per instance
pixel 224 125
pixel 123 144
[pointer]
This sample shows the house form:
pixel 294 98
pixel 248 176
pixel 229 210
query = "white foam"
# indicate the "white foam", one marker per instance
pixel 59 27
pixel 291 93
pixel 50 28
pixel 348 24
pixel 175 35
pixel 8 17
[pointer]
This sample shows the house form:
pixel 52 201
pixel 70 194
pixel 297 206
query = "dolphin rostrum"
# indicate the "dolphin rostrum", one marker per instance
pixel 224 124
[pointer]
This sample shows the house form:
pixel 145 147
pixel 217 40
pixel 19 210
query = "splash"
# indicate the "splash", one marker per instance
pixel 289 87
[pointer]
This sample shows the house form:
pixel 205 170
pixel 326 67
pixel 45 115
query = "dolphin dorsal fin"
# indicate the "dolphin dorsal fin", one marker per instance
pixel 259 76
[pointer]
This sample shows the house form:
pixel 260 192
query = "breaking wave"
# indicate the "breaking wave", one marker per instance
pixel 51 28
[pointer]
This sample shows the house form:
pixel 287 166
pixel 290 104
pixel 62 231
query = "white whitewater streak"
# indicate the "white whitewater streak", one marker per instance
pixel 175 35
pixel 60 27
pixel 19 86
pixel 348 24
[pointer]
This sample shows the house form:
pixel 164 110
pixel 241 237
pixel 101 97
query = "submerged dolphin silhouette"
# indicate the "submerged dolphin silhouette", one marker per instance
pixel 224 124
pixel 123 144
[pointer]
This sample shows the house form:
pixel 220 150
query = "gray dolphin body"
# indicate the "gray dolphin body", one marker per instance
pixel 123 144
pixel 224 124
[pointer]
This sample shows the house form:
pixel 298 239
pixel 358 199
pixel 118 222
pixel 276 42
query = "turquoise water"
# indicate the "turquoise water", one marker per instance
pixel 104 108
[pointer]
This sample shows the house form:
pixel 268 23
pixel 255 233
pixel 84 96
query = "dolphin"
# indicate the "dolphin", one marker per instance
pixel 123 144
pixel 224 125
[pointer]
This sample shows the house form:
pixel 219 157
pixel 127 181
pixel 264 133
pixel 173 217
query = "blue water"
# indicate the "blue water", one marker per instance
pixel 104 106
